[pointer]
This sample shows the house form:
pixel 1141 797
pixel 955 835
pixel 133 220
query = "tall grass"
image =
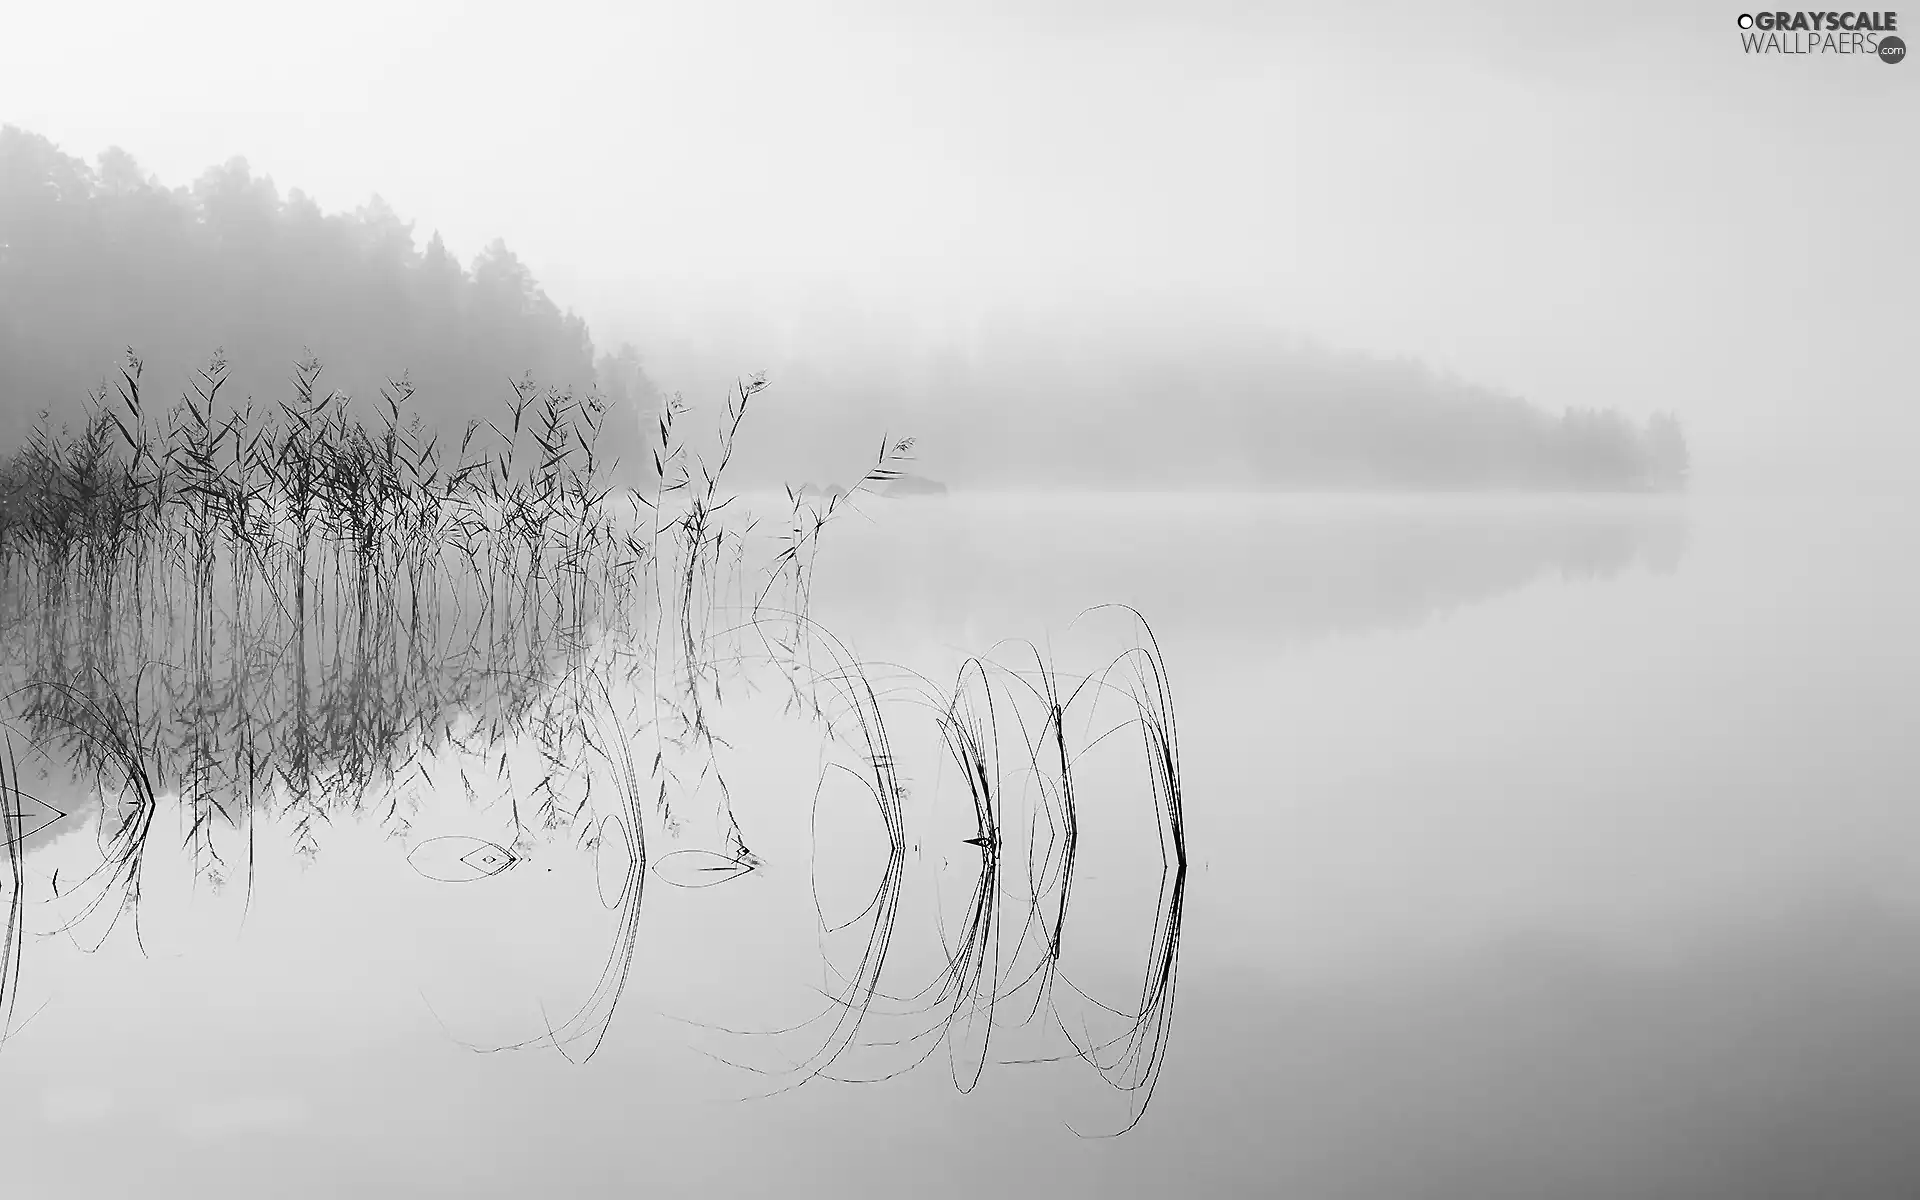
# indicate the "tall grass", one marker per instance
pixel 278 612
pixel 308 592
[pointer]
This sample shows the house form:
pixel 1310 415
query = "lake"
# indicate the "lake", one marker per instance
pixel 1533 847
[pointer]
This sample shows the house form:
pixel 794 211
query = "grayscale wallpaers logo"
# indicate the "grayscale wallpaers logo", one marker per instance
pixel 1867 34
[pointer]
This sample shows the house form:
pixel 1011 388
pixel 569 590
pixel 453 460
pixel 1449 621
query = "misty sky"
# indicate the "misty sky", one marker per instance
pixel 1596 204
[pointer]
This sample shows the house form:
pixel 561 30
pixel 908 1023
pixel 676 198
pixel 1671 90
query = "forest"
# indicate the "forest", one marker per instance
pixel 99 260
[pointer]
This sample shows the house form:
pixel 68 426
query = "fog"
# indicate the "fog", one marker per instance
pixel 1313 602
pixel 1613 207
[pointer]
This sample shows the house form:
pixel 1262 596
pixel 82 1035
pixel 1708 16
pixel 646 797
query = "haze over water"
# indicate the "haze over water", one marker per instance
pixel 1315 602
pixel 1539 848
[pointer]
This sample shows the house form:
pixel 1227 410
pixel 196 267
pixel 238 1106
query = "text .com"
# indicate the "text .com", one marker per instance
pixel 1868 34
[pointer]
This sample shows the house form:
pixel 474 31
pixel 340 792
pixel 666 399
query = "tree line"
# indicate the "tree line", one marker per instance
pixel 96 259
pixel 100 259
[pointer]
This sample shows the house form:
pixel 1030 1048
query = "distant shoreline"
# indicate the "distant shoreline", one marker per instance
pixel 1269 495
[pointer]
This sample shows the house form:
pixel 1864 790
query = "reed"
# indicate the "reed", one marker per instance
pixel 281 612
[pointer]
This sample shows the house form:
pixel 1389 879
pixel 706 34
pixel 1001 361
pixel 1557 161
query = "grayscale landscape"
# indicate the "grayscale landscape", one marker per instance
pixel 1058 599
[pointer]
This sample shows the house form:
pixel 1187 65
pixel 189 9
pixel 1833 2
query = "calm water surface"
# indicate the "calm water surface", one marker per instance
pixel 1538 849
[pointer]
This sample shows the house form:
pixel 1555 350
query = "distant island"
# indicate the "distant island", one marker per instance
pixel 96 259
pixel 1250 412
pixel 902 486
pixel 912 485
